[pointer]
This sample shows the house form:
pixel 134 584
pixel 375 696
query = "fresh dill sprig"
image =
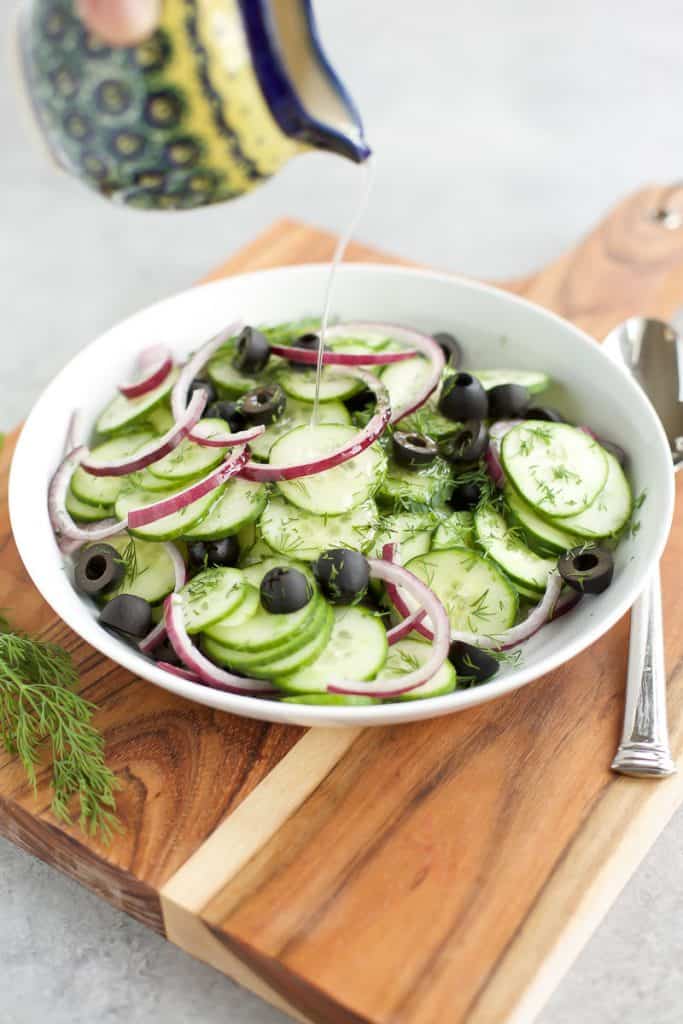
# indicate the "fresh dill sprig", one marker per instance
pixel 38 704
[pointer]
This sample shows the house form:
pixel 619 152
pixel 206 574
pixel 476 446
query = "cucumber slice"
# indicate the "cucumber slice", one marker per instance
pixel 255 571
pixel 211 595
pixel 406 381
pixel 239 503
pixel 247 607
pixel 104 490
pixel 506 549
pixel 408 654
pixel 149 570
pixel 176 525
pixel 609 512
pixel 84 512
pixel 369 341
pixel 428 420
pixel 266 632
pixel 559 470
pixel 334 385
pixel 533 380
pixel 124 412
pixel 334 491
pixel 412 533
pixel 415 490
pixel 190 460
pixel 457 531
pixel 297 414
pixel 476 595
pixel 331 699
pixel 357 649
pixel 159 419
pixel 302 655
pixel 298 534
pixel 256 554
pixel 144 480
pixel 228 380
pixel 539 532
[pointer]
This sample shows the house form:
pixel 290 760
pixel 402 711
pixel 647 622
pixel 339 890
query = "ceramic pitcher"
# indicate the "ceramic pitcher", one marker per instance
pixel 210 105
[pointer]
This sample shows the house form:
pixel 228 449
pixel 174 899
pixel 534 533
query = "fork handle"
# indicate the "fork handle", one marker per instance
pixel 644 748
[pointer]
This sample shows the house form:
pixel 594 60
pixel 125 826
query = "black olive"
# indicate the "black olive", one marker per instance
pixel 252 351
pixel 202 382
pixel 614 449
pixel 587 569
pixel 465 497
pixel 166 652
pixel 465 445
pixel 360 401
pixel 544 412
pixel 463 398
pixel 99 567
pixel 311 343
pixel 285 590
pixel 412 449
pixel 264 405
pixel 127 615
pixel 343 575
pixel 508 401
pixel 208 554
pixel 472 665
pixel 450 347
pixel 228 411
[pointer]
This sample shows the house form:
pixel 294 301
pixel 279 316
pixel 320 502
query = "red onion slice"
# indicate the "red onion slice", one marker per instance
pixel 178 670
pixel 157 448
pixel 154 365
pixel 75 435
pixel 405 627
pixel 497 432
pixel 138 517
pixel 63 525
pixel 196 363
pixel 300 355
pixel 363 439
pixel 227 440
pixel 391 573
pixel 394 594
pixel 154 638
pixel 196 662
pixel 157 635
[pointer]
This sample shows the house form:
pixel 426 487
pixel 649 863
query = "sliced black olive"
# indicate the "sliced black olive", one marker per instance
pixel 465 497
pixel 343 575
pixel 465 445
pixel 413 449
pixel 252 351
pixel 614 449
pixel 207 554
pixel 228 411
pixel 128 615
pixel 166 652
pixel 264 405
pixel 587 569
pixel 463 398
pixel 472 665
pixel 360 401
pixel 203 382
pixel 285 590
pixel 508 401
pixel 311 343
pixel 98 568
pixel 450 347
pixel 544 412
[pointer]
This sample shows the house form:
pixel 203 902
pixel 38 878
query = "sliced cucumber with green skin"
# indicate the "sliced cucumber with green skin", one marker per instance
pixel 331 699
pixel 407 655
pixel 150 573
pixel 357 649
pixel 297 414
pixel 85 513
pixel 170 527
pixel 416 489
pixel 144 480
pixel 257 553
pixel 539 532
pixel 334 491
pixel 125 412
pixel 428 420
pixel 474 592
pixel 533 380
pixel 228 380
pixel 104 490
pixel 212 595
pixel 406 381
pixel 255 571
pixel 244 610
pixel 303 630
pixel 298 534
pixel 334 385
pixel 609 512
pixel 159 419
pixel 302 655
pixel 510 553
pixel 239 503
pixel 189 459
pixel 456 531
pixel 372 341
pixel 559 470
pixel 411 531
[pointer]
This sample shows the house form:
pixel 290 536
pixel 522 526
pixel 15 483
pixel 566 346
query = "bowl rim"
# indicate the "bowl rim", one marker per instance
pixel 326 715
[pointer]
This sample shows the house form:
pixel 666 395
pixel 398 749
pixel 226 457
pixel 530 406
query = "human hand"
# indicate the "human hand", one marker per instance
pixel 120 22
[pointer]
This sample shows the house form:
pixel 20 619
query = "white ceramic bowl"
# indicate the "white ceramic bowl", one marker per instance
pixel 496 329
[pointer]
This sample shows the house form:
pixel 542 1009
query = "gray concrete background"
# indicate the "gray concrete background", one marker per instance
pixel 502 131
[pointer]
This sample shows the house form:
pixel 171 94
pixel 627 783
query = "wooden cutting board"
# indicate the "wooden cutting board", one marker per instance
pixel 444 871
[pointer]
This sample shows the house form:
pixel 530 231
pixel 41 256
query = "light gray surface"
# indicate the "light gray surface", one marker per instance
pixel 502 131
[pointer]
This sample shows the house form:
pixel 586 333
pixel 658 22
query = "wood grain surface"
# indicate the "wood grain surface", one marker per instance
pixel 442 871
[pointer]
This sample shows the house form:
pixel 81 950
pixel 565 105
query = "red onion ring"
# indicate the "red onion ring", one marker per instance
pixel 497 432
pixel 197 363
pixel 301 355
pixel 157 635
pixel 197 663
pixel 154 365
pixel 75 436
pixel 62 523
pixel 138 517
pixel 157 448
pixel 363 439
pixel 405 627
pixel 394 595
pixel 178 670
pixel 390 573
pixel 227 440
